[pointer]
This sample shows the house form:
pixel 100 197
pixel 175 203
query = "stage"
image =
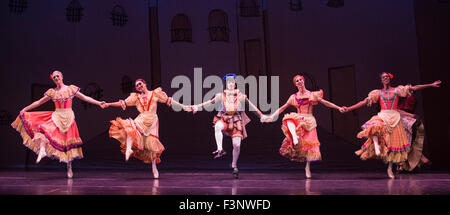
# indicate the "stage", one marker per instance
pixel 139 182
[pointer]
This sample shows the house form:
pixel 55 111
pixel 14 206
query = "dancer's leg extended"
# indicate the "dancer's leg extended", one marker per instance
pixel 375 144
pixel 128 151
pixel 291 127
pixel 218 127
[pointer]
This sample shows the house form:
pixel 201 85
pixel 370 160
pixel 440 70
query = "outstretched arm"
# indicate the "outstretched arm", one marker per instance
pixel 89 99
pixel 195 107
pixel 357 105
pixel 186 108
pixel 120 103
pixel 254 106
pixel 36 104
pixel 423 86
pixel 278 112
pixel 331 105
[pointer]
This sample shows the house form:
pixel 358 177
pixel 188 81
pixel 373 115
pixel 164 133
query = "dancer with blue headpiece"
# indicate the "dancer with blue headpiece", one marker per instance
pixel 230 119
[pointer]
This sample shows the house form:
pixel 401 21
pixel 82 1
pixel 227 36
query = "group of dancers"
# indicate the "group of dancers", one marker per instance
pixel 54 134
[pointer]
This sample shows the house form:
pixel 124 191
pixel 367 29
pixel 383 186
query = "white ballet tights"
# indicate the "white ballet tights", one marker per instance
pixel 291 127
pixel 236 151
pixel 128 151
pixel 218 127
pixel 376 145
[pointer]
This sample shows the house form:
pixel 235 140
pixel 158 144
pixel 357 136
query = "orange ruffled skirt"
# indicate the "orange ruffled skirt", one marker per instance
pixel 38 129
pixel 145 148
pixel 308 147
pixel 393 142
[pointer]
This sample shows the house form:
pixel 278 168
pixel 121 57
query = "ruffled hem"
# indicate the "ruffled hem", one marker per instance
pixel 372 129
pixel 304 151
pixel 33 141
pixel 367 151
pixel 144 148
pixel 153 150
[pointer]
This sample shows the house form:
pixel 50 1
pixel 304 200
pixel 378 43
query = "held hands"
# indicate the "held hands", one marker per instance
pixel 190 108
pixel 103 104
pixel 265 118
pixel 343 109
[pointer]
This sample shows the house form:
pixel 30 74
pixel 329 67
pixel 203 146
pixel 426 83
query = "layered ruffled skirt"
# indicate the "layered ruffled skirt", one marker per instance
pixel 308 147
pixel 146 146
pixel 234 124
pixel 39 129
pixel 392 139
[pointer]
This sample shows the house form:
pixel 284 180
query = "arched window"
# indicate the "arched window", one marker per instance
pixel 119 16
pixel 296 5
pixel 218 26
pixel 74 11
pixel 181 29
pixel 17 6
pixel 249 8
pixel 335 3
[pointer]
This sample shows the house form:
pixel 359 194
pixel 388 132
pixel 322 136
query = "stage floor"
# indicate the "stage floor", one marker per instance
pixel 114 182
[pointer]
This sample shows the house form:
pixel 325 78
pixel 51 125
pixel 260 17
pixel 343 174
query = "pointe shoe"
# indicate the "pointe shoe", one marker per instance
pixel 235 173
pixel 390 174
pixel 127 154
pixel 69 173
pixel 219 153
pixel 155 174
pixel 41 155
pixel 308 173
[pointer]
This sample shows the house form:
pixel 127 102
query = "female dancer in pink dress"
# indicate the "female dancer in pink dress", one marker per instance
pixel 54 133
pixel 385 133
pixel 139 137
pixel 301 142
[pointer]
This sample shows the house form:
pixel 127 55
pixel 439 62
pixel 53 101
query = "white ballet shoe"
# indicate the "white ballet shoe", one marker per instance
pixel 41 155
pixel 127 154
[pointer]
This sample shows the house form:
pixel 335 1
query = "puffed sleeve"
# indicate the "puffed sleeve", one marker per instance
pixel 74 89
pixel 131 100
pixel 373 97
pixel 161 95
pixel 292 101
pixel 50 93
pixel 316 96
pixel 404 91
